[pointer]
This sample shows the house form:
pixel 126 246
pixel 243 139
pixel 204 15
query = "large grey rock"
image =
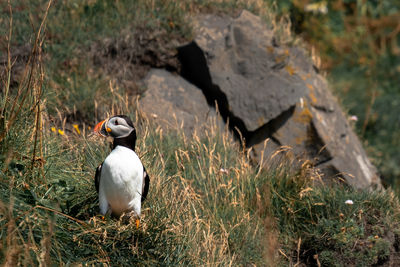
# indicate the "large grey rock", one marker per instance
pixel 278 94
pixel 172 102
pixel 245 65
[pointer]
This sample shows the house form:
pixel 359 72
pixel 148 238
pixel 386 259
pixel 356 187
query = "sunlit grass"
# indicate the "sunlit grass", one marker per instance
pixel 207 205
pixel 195 214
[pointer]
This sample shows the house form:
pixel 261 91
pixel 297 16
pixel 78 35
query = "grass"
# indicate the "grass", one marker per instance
pixel 195 214
pixel 207 205
pixel 85 38
pixel 330 232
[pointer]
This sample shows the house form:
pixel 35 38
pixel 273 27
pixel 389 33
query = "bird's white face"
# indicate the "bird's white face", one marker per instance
pixel 116 127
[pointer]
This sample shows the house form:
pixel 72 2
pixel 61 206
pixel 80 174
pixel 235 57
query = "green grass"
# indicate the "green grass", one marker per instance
pixel 82 37
pixel 207 204
pixel 316 222
pixel 195 214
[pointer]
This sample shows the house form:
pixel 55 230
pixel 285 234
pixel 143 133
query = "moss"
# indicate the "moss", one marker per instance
pixel 328 258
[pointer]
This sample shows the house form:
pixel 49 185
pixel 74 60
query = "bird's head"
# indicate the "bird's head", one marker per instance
pixel 118 126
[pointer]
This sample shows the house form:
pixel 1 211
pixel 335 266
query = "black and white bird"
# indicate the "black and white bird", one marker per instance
pixel 121 180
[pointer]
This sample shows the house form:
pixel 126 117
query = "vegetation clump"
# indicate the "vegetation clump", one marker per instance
pixel 335 225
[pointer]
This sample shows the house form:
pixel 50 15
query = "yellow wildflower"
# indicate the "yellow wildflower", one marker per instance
pixel 61 132
pixel 53 129
pixel 76 127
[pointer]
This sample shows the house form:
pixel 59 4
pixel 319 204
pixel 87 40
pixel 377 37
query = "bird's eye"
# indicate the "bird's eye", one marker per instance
pixel 116 122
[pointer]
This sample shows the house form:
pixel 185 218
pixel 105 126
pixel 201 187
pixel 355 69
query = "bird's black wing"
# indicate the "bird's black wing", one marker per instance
pixel 146 184
pixel 97 177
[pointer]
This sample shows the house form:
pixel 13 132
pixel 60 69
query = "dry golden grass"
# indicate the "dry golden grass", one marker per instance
pixel 199 210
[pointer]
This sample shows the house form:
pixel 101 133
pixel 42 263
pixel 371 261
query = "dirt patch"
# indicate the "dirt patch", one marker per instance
pixel 19 58
pixel 128 57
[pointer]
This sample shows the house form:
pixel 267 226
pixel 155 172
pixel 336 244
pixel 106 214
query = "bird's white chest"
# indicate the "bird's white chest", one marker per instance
pixel 122 179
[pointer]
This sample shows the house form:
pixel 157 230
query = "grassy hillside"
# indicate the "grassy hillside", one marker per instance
pixel 207 204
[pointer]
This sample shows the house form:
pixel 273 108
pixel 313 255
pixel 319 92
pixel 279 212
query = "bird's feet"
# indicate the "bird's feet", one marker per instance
pixel 131 217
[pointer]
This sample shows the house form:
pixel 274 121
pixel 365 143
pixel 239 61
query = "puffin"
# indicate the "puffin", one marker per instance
pixel 121 181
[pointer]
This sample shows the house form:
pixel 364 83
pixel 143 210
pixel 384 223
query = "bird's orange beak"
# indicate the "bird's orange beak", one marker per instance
pixel 101 129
